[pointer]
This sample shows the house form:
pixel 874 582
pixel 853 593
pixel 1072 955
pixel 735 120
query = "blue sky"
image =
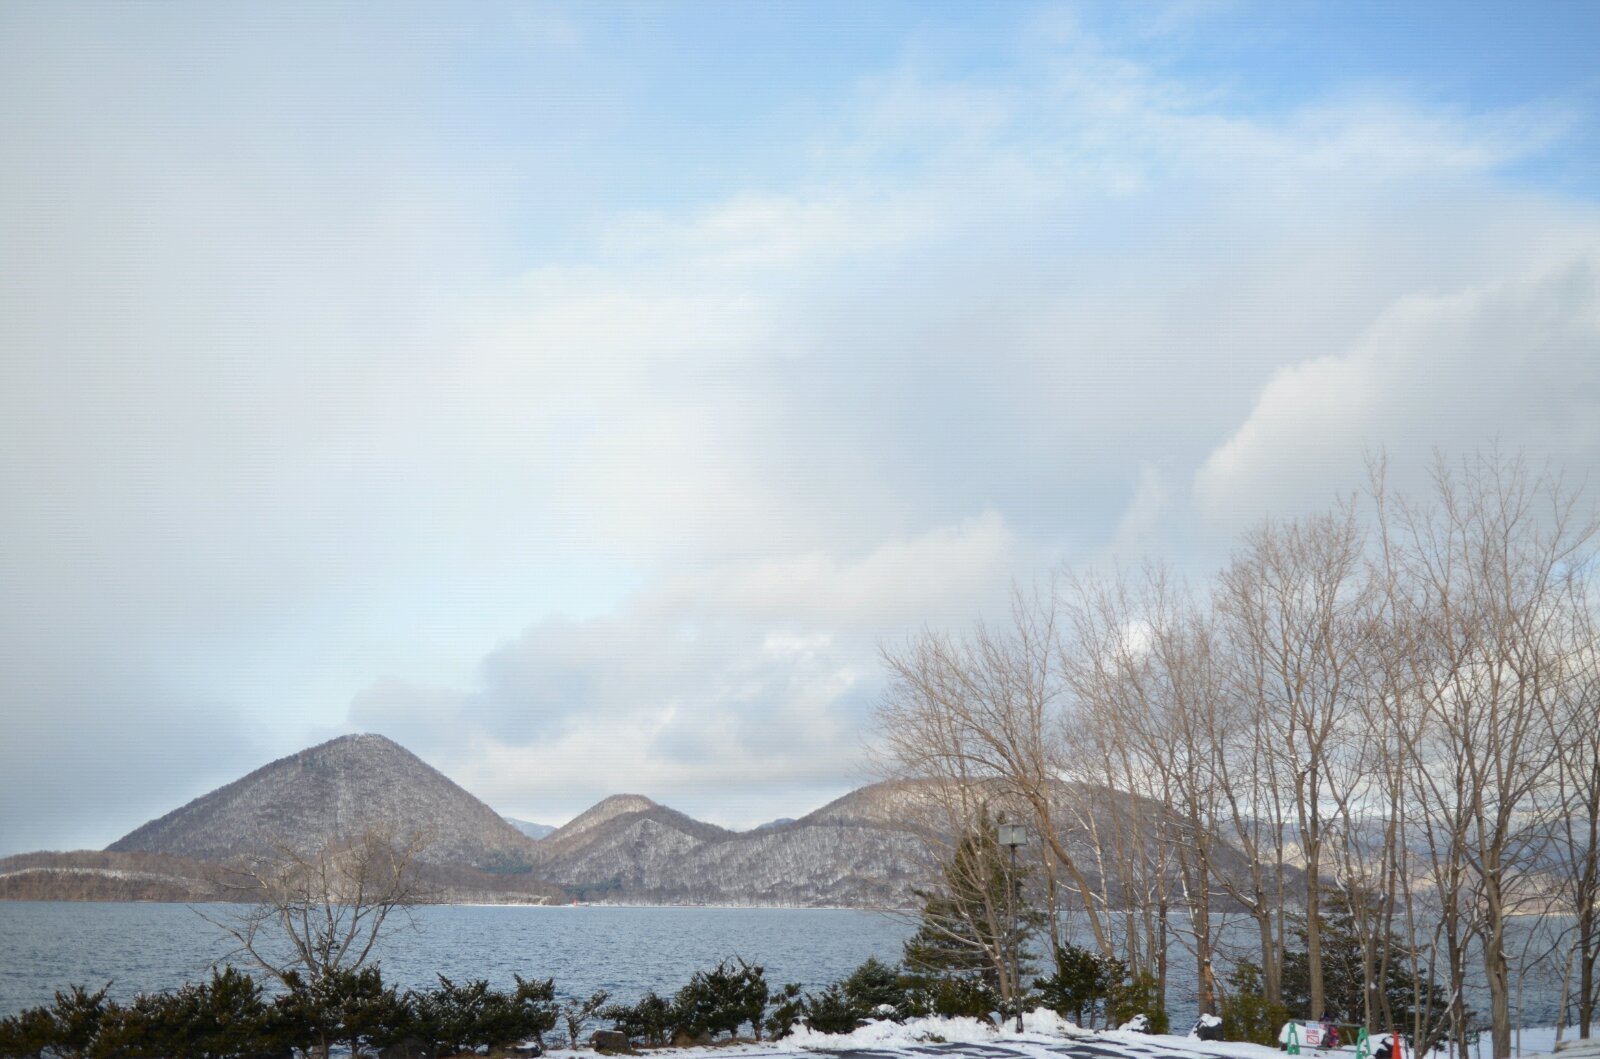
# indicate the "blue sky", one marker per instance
pixel 582 394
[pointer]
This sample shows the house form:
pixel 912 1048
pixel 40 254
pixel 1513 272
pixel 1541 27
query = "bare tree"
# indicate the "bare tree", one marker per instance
pixel 1142 668
pixel 1576 837
pixel 1367 826
pixel 1488 581
pixel 325 910
pixel 1403 706
pixel 1295 597
pixel 1101 747
pixel 1254 794
pixel 980 714
pixel 1102 726
pixel 948 787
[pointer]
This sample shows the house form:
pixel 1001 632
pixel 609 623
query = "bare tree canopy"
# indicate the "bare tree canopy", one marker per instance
pixel 324 910
pixel 1385 714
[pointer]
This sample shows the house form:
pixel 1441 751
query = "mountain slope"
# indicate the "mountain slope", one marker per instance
pixel 603 822
pixel 600 814
pixel 339 788
pixel 631 849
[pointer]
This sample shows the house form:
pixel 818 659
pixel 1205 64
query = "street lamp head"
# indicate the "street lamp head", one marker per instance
pixel 1013 835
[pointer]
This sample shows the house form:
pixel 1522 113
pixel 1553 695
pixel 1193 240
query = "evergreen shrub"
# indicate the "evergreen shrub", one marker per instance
pixel 1246 1013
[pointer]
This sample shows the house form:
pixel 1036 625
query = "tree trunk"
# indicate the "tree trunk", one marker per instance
pixel 1271 978
pixel 1200 921
pixel 1161 957
pixel 1586 961
pixel 1458 1003
pixel 1314 939
pixel 1498 973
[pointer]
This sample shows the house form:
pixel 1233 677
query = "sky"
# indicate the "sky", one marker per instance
pixel 583 395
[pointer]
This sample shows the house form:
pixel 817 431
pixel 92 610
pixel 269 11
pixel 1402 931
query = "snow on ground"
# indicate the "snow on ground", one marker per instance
pixel 1041 1024
pixel 1169 1044
pixel 1042 1028
pixel 1535 1040
pixel 1045 1036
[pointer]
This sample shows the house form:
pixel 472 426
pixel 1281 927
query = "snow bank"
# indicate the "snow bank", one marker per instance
pixel 883 1034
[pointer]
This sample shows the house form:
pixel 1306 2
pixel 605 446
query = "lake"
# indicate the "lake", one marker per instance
pixel 45 946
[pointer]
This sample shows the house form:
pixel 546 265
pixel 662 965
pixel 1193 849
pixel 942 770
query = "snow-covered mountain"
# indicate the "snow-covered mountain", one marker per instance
pixel 338 789
pixel 625 848
pixel 631 849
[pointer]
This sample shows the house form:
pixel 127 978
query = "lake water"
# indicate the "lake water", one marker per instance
pixel 45 946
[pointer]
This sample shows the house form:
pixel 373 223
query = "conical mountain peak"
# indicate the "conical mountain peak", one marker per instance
pixel 335 790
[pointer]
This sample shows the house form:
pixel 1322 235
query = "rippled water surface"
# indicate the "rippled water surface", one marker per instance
pixel 45 946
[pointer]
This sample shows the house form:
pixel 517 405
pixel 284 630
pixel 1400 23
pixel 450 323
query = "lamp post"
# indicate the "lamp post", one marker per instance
pixel 1011 836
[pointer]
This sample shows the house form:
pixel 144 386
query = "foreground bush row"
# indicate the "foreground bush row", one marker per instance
pixel 232 1017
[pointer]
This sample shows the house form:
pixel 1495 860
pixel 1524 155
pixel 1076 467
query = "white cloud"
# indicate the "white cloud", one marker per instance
pixel 994 292
pixel 1516 362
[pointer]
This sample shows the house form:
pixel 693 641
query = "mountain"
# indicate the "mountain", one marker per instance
pixel 339 788
pixel 529 828
pixel 874 847
pixel 631 849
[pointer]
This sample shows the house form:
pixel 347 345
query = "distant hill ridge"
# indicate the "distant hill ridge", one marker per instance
pixel 339 788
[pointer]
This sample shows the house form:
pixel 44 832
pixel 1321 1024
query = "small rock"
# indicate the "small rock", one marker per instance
pixel 611 1042
pixel 1137 1024
pixel 1207 1028
pixel 684 1040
